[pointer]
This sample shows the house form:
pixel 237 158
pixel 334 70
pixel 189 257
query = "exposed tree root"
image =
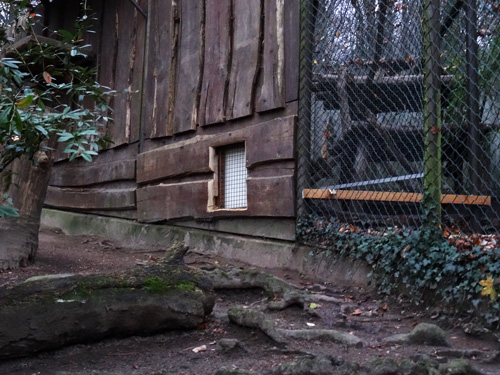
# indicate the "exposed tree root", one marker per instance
pixel 283 294
pixel 257 319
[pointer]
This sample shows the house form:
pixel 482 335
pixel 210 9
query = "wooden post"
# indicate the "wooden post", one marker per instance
pixel 432 115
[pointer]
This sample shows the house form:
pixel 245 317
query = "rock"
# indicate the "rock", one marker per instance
pixel 50 312
pixel 458 367
pixel 320 365
pixel 228 344
pixel 422 334
pixel 383 366
pixel 494 358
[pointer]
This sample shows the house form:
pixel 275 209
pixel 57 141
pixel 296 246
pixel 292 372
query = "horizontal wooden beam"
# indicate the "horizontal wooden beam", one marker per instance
pixel 390 196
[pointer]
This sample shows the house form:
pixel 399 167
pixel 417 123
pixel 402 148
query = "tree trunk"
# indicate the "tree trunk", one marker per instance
pixel 19 235
pixel 47 312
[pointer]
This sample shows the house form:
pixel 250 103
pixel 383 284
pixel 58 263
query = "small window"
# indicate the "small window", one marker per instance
pixel 230 177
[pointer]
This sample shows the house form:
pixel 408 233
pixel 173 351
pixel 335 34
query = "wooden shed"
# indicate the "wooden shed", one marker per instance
pixel 205 122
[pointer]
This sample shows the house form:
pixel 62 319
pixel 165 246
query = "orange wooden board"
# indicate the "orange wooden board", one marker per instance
pixel 389 196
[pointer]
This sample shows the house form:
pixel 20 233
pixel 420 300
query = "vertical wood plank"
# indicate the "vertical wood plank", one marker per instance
pixel 136 88
pixel 126 20
pixel 292 55
pixel 245 58
pixel 94 38
pixel 271 92
pixel 108 52
pixel 189 65
pixel 216 63
pixel 158 65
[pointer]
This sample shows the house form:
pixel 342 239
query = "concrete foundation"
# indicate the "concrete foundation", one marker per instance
pixel 264 253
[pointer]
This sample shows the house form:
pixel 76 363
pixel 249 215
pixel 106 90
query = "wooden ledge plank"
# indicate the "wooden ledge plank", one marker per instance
pixel 389 196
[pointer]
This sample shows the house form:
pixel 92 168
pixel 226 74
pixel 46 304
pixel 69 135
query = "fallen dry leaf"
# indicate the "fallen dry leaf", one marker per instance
pixel 357 312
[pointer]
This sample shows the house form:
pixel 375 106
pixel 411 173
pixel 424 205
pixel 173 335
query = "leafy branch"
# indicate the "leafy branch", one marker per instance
pixel 49 90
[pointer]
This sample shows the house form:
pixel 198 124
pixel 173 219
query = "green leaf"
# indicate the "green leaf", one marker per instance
pixel 41 104
pixel 86 156
pixel 66 34
pixel 65 137
pixel 42 130
pixel 25 102
pixel 6 211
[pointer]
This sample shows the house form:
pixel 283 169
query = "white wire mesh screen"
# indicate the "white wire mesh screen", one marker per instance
pixel 234 177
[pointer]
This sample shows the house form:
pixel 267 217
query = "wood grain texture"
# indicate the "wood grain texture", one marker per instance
pixel 266 197
pixel 245 58
pixel 292 50
pixel 91 174
pixel 271 90
pixel 108 199
pixel 165 202
pixel 158 65
pixel 130 28
pixel 108 54
pixel 183 158
pixel 270 141
pixel 273 196
pixel 389 196
pixel 137 65
pixel 266 142
pixel 216 63
pixel 189 65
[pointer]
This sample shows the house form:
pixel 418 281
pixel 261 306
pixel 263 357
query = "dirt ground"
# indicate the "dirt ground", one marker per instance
pixel 363 315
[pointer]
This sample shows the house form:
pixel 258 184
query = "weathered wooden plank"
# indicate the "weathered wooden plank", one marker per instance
pixel 271 91
pixel 108 52
pixel 136 73
pixel 265 142
pixel 189 65
pixel 183 158
pixel 216 61
pixel 245 58
pixel 391 196
pixel 94 37
pixel 266 197
pixel 270 141
pixel 91 174
pixel 126 23
pixel 158 65
pixel 273 196
pixel 108 199
pixel 292 54
pixel 165 202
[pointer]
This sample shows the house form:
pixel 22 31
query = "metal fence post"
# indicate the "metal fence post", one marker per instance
pixel 432 183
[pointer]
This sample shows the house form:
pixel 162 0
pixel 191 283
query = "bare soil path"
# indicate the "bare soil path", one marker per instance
pixel 220 343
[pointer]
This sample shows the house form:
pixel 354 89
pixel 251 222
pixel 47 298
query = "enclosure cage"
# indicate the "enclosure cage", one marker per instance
pixel 399 101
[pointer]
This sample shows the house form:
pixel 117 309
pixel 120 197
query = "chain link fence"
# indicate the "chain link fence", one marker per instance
pixel 400 114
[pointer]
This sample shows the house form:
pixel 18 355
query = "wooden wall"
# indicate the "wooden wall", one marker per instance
pixel 217 72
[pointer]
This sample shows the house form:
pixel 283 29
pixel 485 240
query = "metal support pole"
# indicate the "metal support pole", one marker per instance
pixel 477 172
pixel 432 182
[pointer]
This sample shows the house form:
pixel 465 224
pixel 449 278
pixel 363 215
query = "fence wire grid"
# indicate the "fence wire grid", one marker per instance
pixel 400 105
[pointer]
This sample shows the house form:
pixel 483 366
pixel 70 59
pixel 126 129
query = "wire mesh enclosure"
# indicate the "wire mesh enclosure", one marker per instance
pixel 233 177
pixel 400 113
